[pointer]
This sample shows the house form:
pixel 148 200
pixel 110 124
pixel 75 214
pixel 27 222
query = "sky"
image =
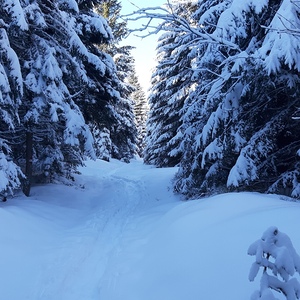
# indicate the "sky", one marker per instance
pixel 144 53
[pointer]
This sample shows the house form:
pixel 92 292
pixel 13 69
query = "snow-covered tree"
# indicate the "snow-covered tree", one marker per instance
pixel 170 86
pixel 275 255
pixel 102 143
pixel 238 128
pixel 67 83
pixel 56 136
pixel 97 93
pixel 158 133
pixel 11 91
pixel 123 131
pixel 140 111
pixel 59 88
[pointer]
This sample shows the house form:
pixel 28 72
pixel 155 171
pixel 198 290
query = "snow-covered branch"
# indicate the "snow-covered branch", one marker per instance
pixel 172 21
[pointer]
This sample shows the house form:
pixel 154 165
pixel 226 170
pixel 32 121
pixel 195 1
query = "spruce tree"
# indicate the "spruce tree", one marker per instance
pixel 11 91
pixel 236 128
pixel 140 112
pixel 68 83
pixel 243 133
pixel 55 136
pixel 123 131
pixel 98 95
pixel 171 85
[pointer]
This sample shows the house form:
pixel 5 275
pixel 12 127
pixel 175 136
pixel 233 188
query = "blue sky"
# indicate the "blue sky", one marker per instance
pixel 144 53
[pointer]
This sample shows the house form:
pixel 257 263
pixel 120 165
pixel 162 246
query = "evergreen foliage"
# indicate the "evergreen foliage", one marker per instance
pixel 171 85
pixel 124 132
pixel 11 91
pixel 57 90
pixel 246 138
pixel 140 112
pixel 236 129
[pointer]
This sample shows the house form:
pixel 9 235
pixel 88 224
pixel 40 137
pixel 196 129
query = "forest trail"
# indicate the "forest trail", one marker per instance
pixel 74 254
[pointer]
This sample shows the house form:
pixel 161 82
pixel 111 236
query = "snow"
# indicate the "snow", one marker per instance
pixel 70 4
pixel 9 172
pixel 244 170
pixel 11 56
pixel 280 45
pixel 76 43
pixel 4 83
pixel 34 13
pixel 14 8
pixel 275 253
pixel 99 24
pixel 121 233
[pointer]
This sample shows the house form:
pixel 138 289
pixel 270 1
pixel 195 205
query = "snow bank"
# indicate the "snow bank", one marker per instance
pixel 199 249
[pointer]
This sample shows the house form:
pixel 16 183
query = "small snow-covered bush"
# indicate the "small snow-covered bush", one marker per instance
pixel 275 254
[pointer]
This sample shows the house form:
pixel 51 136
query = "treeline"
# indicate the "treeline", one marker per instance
pixel 225 96
pixel 63 96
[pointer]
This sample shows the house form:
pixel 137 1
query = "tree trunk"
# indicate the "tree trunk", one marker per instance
pixel 28 167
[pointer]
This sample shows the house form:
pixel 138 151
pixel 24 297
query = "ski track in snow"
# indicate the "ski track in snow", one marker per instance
pixel 99 239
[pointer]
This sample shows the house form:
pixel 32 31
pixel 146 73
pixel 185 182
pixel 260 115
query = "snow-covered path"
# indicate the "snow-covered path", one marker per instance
pixel 83 259
pixel 81 231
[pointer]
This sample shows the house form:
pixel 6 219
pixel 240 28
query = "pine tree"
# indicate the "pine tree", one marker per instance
pixel 66 87
pixel 98 96
pixel 56 137
pixel 156 141
pixel 237 129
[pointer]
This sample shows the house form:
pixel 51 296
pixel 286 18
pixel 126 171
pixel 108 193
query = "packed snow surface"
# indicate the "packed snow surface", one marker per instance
pixel 121 234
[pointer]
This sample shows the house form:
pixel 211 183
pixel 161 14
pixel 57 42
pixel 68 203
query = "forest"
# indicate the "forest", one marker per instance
pixel 68 90
pixel 223 103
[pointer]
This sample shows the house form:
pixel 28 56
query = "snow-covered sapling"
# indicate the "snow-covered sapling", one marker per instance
pixel 275 253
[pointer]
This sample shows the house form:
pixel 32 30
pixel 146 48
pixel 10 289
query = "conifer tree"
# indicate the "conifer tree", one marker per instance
pixel 98 96
pixel 123 131
pixel 171 85
pixel 55 136
pixel 11 90
pixel 243 133
pixel 140 112
pixel 237 128
pixel 67 83
pixel 156 141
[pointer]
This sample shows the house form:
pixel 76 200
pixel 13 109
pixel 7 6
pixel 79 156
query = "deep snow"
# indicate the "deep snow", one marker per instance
pixel 122 234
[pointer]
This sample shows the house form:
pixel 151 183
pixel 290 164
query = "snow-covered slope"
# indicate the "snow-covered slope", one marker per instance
pixel 124 235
